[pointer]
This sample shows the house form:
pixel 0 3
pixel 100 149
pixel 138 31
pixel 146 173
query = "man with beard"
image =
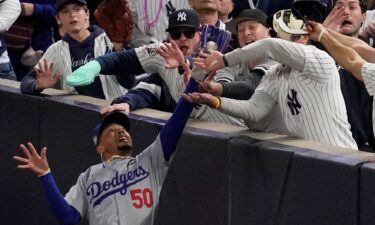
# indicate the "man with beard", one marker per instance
pixel 122 189
pixel 346 18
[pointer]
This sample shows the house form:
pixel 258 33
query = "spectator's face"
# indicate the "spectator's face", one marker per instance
pixel 116 140
pixel 198 5
pixel 187 39
pixel 354 17
pixel 226 7
pixel 251 31
pixel 73 18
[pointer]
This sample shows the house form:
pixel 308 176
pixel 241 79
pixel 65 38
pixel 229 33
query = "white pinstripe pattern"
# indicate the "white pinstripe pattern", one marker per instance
pixel 368 72
pixel 59 55
pixel 158 30
pixel 313 75
pixel 154 63
pixel 322 114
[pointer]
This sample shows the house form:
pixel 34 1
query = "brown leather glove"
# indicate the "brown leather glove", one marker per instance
pixel 115 18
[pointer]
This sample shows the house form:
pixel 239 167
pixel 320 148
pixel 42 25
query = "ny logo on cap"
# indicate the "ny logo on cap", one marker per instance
pixel 181 16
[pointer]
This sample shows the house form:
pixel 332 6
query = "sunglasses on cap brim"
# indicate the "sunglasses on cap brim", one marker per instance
pixel 176 34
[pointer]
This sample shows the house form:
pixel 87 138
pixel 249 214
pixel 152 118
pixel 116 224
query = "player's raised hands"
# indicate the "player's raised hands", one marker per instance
pixel 315 30
pixel 335 18
pixel 210 62
pixel 201 98
pixel 124 107
pixel 33 161
pixel 172 54
pixel 44 77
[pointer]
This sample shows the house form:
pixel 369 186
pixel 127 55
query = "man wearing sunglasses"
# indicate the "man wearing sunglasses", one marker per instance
pixel 183 29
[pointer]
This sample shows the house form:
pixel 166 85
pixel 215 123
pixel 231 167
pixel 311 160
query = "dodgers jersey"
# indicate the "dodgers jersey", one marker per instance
pixel 307 87
pixel 124 192
pixel 154 63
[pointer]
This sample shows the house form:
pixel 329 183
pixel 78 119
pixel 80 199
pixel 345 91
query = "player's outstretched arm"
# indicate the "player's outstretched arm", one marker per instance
pixel 38 164
pixel 171 132
pixel 343 55
pixel 123 63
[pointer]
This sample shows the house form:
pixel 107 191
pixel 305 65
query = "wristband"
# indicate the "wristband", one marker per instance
pixel 321 35
pixel 225 61
pixel 218 103
pixel 45 173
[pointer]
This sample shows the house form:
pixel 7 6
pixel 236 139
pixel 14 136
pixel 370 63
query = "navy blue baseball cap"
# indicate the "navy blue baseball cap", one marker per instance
pixel 60 3
pixel 183 18
pixel 115 117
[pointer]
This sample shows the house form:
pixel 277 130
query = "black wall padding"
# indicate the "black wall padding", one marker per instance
pixel 258 171
pixel 320 189
pixel 196 190
pixel 367 195
pixel 20 189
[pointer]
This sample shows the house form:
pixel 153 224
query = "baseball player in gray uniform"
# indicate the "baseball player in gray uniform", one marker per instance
pixel 306 86
pixel 122 189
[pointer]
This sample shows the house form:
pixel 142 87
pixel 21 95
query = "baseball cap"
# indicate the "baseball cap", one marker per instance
pixel 285 24
pixel 60 3
pixel 306 10
pixel 115 117
pixel 247 15
pixel 183 18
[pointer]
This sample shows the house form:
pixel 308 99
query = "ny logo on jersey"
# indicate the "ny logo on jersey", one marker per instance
pixel 293 103
pixel 181 16
pixel 151 51
pixel 170 8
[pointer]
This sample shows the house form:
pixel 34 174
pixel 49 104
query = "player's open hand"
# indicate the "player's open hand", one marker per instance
pixel 124 107
pixel 172 54
pixel 201 98
pixel 33 161
pixel 44 77
pixel 210 62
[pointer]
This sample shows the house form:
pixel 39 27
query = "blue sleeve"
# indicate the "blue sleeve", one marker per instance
pixel 137 99
pixel 28 83
pixel 125 62
pixel 45 12
pixel 171 132
pixel 64 213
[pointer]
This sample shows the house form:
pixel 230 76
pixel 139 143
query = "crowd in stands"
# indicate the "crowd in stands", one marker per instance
pixel 291 87
pixel 301 68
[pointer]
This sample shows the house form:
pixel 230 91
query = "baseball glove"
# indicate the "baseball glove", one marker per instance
pixel 115 18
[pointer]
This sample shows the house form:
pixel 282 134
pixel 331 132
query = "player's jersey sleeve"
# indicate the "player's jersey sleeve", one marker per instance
pixel 150 60
pixel 76 197
pixel 314 63
pixel 254 109
pixel 368 74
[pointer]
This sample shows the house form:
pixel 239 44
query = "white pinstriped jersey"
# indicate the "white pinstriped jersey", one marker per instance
pixel 154 63
pixel 152 15
pixel 273 122
pixel 307 89
pixel 368 72
pixel 59 54
pixel 124 192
